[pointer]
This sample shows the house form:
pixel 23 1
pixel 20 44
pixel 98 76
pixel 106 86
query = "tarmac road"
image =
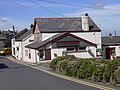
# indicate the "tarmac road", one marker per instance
pixel 14 76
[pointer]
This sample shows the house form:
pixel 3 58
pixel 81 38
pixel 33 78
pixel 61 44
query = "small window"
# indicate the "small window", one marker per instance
pixel 31 40
pixel 17 48
pixel 70 49
pixel 29 54
pixel 14 51
pixel 82 48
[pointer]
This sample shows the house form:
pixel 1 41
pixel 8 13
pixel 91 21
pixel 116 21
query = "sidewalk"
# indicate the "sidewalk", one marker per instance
pixel 42 65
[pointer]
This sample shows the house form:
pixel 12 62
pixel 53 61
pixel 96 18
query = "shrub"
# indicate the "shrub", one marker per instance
pixel 83 70
pixel 110 69
pixel 53 64
pixel 70 57
pixel 95 69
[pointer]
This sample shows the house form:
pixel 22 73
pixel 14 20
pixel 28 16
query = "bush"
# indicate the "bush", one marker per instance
pixel 53 64
pixel 110 69
pixel 83 70
pixel 70 57
pixel 90 69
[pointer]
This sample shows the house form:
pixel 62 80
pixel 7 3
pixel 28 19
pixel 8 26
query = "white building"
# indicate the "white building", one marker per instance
pixel 19 42
pixel 111 47
pixel 59 36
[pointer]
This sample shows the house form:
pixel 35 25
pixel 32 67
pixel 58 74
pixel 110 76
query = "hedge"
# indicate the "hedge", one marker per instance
pixel 90 69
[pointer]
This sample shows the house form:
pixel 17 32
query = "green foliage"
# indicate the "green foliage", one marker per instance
pixel 70 57
pixel 110 69
pixel 96 69
pixel 53 64
pixel 83 70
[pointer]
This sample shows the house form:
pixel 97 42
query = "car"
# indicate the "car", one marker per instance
pixel 6 51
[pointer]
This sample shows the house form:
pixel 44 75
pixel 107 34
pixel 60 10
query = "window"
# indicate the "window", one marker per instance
pixel 17 48
pixel 31 40
pixel 82 48
pixel 29 54
pixel 14 51
pixel 70 49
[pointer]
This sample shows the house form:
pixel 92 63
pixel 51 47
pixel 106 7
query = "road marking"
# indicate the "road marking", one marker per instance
pixel 68 78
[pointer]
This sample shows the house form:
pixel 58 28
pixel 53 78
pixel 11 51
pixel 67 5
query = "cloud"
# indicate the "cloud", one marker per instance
pixel 7 23
pixel 3 20
pixel 108 20
pixel 18 4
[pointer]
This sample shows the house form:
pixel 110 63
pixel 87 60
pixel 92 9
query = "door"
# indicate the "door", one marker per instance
pixel 47 54
pixel 108 53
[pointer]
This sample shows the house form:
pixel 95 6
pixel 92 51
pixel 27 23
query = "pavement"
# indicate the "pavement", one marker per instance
pixel 42 65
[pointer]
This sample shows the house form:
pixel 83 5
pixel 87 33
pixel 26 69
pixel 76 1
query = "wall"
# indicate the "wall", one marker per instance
pixel 118 51
pixel 84 54
pixel 13 46
pixel 31 59
pixel 58 51
pixel 94 37
pixel 37 34
pixel 47 35
pixel 24 43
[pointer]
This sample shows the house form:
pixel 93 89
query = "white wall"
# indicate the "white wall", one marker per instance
pixel 47 35
pixel 94 37
pixel 13 46
pixel 33 56
pixel 20 55
pixel 24 43
pixel 117 50
pixel 58 51
pixel 84 54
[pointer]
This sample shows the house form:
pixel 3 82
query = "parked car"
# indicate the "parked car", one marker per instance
pixel 6 51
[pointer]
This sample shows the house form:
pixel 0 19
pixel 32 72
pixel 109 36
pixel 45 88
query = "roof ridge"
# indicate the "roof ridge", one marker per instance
pixel 61 18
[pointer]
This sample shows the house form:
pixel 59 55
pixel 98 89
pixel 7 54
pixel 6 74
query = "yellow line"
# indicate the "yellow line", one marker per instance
pixel 74 80
pixel 69 78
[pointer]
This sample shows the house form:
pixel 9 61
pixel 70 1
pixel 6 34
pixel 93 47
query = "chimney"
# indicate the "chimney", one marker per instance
pixel 85 22
pixel 110 35
pixel 31 26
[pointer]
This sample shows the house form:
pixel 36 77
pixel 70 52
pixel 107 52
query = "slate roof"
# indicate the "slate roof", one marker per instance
pixel 20 33
pixel 24 35
pixel 63 24
pixel 36 45
pixel 109 40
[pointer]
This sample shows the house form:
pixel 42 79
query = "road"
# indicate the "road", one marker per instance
pixel 14 76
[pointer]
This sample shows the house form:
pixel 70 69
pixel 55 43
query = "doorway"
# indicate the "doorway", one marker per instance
pixel 110 52
pixel 47 54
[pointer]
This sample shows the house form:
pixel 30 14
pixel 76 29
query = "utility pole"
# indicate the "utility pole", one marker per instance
pixel 13 29
pixel 115 32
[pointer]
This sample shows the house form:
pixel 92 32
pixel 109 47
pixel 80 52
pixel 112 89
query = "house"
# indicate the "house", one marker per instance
pixel 19 41
pixel 111 46
pixel 8 35
pixel 2 40
pixel 53 37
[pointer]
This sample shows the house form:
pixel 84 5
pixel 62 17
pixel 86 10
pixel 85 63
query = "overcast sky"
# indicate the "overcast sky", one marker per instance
pixel 21 13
